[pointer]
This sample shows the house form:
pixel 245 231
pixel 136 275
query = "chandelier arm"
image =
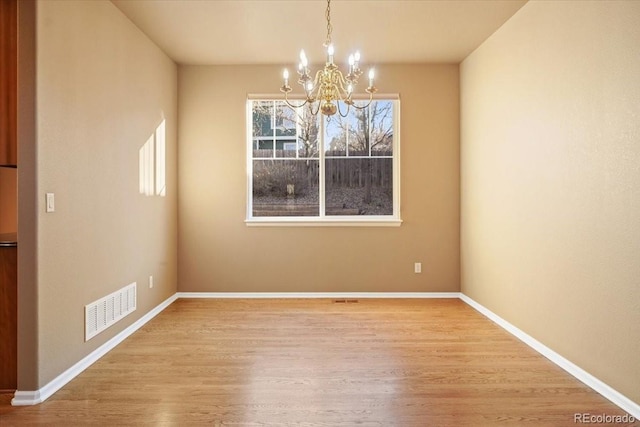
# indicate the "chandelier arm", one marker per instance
pixel 317 109
pixel 286 100
pixel 340 111
pixel 362 107
pixel 341 82
pixel 316 85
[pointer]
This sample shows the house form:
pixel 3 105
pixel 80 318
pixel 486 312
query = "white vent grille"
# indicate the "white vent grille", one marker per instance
pixel 106 311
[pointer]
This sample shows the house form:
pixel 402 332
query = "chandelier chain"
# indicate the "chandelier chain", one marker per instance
pixel 329 26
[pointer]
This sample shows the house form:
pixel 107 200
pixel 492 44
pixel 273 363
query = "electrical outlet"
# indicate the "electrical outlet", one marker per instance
pixel 150 282
pixel 417 267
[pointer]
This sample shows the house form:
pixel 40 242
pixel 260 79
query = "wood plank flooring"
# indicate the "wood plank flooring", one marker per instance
pixel 318 363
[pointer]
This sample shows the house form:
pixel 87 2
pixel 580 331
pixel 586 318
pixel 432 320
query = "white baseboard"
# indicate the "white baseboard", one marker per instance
pixel 23 398
pixel 332 295
pixel 605 390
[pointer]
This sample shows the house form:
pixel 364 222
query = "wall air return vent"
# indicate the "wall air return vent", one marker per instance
pixel 106 311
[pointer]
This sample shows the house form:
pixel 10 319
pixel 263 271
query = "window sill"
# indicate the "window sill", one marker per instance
pixel 323 222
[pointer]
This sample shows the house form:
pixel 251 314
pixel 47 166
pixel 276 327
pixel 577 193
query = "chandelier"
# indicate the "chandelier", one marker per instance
pixel 329 86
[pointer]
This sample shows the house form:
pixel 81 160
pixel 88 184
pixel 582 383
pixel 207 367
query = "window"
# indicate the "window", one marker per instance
pixel 306 169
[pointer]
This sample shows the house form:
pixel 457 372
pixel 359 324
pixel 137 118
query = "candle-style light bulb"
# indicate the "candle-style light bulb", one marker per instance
pixel 371 75
pixel 285 74
pixel 351 60
pixel 330 52
pixel 356 57
pixel 303 58
pixel 309 86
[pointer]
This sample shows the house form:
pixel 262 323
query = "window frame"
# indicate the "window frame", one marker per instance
pixel 322 219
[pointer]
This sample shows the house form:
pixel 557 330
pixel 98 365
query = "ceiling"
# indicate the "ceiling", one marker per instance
pixel 274 31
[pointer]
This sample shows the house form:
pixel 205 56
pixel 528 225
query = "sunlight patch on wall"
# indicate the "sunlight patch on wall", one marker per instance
pixel 152 164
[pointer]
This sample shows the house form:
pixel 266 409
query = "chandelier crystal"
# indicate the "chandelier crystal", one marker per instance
pixel 329 86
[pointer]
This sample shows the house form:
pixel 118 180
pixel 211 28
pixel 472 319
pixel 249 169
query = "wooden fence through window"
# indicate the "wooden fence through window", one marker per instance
pixel 340 171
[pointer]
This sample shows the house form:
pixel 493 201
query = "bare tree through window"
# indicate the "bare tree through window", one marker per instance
pixel 359 159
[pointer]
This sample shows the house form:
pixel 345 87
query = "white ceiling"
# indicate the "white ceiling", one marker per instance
pixel 274 31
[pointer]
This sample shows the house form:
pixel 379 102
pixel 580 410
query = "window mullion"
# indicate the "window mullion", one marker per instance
pixel 250 158
pixel 369 127
pixel 298 127
pixel 273 129
pixel 346 136
pixel 321 168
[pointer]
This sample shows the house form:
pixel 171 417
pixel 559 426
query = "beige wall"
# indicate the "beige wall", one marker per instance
pixel 102 88
pixel 550 181
pixel 219 253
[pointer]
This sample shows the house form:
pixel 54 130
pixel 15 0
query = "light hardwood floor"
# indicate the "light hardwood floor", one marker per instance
pixel 318 363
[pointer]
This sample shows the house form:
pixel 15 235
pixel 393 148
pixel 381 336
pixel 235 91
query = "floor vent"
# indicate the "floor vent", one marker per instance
pixel 345 301
pixel 106 311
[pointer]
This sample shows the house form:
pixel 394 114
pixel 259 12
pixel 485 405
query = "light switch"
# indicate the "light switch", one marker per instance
pixel 51 205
